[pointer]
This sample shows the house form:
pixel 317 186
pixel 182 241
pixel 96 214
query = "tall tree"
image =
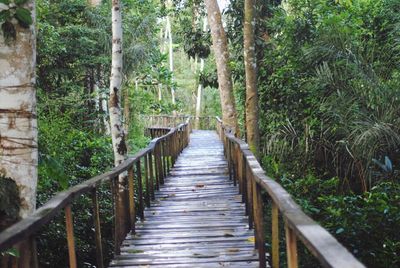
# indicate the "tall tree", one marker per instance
pixel 18 122
pixel 200 86
pixel 170 55
pixel 250 63
pixel 220 46
pixel 18 117
pixel 117 128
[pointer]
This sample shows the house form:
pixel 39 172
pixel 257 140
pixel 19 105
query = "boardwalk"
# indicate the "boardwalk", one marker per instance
pixel 197 220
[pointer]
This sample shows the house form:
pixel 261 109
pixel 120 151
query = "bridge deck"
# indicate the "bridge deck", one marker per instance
pixel 197 220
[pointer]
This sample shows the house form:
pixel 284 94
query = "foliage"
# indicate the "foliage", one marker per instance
pixel 329 86
pixel 10 11
pixel 73 75
pixel 9 208
pixel 332 93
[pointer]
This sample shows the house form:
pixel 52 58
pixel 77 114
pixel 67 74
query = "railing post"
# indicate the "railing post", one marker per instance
pixel 132 207
pixel 150 159
pixel 249 197
pixel 117 213
pixel 239 169
pixel 97 229
pixel 140 189
pixel 164 158
pixel 157 176
pixel 291 247
pixel 146 175
pixel 168 153
pixel 275 235
pixel 34 256
pixel 258 222
pixel 244 183
pixel 160 155
pixel 70 236
pixel 229 158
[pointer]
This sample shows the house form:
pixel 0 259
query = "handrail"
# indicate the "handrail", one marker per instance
pixel 158 157
pixel 203 122
pixel 245 170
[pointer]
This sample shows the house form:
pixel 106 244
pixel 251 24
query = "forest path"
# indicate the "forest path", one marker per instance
pixel 197 219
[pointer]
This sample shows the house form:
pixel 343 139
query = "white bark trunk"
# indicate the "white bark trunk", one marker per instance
pixel 171 57
pixel 105 111
pixel 200 87
pixel 159 92
pixel 94 3
pixel 198 98
pixel 18 117
pixel 117 130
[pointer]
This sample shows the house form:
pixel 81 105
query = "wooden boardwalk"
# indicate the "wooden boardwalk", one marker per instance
pixel 197 219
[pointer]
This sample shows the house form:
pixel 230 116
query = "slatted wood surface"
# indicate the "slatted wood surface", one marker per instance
pixel 197 219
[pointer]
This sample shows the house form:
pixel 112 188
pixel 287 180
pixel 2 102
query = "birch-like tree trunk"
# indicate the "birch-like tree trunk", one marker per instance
pixel 18 117
pixel 200 86
pixel 171 56
pixel 250 63
pixel 114 103
pixel 220 46
pixel 199 97
pixel 18 125
pixel 94 3
pixel 117 130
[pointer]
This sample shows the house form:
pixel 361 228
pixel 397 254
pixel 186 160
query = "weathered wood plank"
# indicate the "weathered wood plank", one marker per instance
pixel 197 219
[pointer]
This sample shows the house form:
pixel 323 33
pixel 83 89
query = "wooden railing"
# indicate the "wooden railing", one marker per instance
pixel 246 172
pixel 204 122
pixel 149 166
pixel 163 120
pixel 167 121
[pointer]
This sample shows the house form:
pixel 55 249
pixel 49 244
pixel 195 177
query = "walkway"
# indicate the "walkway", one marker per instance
pixel 197 220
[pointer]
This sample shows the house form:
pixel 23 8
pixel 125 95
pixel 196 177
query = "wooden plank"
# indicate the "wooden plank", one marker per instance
pixel 70 236
pixel 197 217
pixel 275 235
pixel 97 228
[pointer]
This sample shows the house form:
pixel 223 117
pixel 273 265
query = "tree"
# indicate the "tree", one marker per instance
pixel 220 46
pixel 117 128
pixel 18 117
pixel 250 62
pixel 200 87
pixel 18 125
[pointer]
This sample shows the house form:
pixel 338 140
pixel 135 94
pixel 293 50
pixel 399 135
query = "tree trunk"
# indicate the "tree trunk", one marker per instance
pixel 94 3
pixel 18 125
pixel 220 45
pixel 117 129
pixel 200 87
pixel 18 118
pixel 250 63
pixel 171 57
pixel 127 111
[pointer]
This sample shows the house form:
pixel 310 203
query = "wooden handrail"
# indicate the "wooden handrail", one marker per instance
pixel 157 158
pixel 247 171
pixel 168 121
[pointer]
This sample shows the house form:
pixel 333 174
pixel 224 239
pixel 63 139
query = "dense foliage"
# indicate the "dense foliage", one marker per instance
pixel 73 75
pixel 329 97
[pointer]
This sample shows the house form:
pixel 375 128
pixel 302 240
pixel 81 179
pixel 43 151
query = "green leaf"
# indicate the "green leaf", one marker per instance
pixel 7 2
pixel 339 231
pixel 20 2
pixel 24 17
pixel 12 252
pixel 4 15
